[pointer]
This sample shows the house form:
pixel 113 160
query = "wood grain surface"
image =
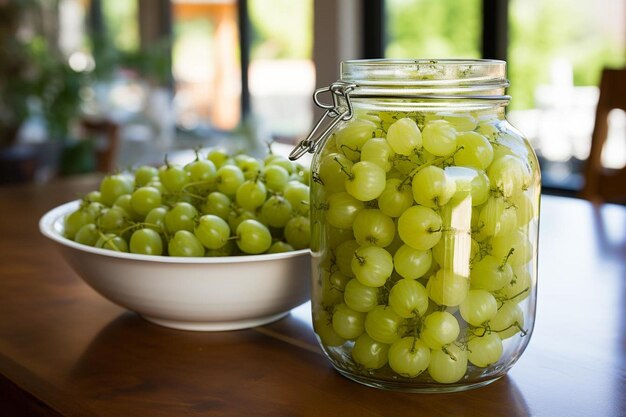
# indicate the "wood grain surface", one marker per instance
pixel 66 351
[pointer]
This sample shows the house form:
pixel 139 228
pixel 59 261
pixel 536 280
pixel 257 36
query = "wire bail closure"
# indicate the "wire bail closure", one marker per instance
pixel 339 110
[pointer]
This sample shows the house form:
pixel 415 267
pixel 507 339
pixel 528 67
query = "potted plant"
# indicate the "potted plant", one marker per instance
pixel 32 70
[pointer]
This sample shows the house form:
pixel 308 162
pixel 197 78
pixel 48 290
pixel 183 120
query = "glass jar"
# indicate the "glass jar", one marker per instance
pixel 424 210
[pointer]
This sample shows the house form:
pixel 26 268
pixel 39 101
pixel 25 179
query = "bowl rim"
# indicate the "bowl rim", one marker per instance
pixel 49 225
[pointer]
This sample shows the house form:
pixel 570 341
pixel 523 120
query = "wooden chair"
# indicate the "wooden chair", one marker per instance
pixel 106 136
pixel 602 184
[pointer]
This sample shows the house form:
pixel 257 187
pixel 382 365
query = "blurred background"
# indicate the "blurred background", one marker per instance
pixel 88 85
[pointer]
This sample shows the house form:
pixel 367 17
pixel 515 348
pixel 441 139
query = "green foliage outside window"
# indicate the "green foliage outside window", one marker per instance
pixel 539 32
pixel 121 21
pixel 281 29
pixel 433 29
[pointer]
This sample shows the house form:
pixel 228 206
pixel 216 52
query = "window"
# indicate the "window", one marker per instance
pixel 121 22
pixel 555 54
pixel 206 67
pixel 205 58
pixel 281 72
pixel 72 34
pixel 557 50
pixel 433 29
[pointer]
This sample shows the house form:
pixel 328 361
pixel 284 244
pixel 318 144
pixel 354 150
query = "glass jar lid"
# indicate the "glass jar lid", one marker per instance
pixel 481 78
pixel 443 83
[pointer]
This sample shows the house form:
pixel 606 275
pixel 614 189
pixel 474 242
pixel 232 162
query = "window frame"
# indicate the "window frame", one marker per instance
pixel 371 38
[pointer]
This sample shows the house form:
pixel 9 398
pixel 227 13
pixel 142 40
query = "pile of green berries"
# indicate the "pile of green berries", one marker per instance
pixel 424 231
pixel 216 205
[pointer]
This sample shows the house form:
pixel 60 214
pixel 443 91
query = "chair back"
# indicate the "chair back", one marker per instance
pixel 602 184
pixel 106 138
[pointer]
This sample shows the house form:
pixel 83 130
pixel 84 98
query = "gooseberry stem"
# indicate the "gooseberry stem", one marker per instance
pixel 447 352
pixel 516 324
pixel 109 240
pixel 435 161
pixel 343 169
pixel 506 258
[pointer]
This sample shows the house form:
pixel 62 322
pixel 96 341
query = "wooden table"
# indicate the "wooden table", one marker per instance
pixel 66 351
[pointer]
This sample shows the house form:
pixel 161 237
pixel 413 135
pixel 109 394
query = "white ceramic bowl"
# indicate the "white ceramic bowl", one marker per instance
pixel 224 293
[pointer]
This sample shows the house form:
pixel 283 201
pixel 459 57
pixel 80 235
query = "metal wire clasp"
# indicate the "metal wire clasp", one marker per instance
pixel 339 110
